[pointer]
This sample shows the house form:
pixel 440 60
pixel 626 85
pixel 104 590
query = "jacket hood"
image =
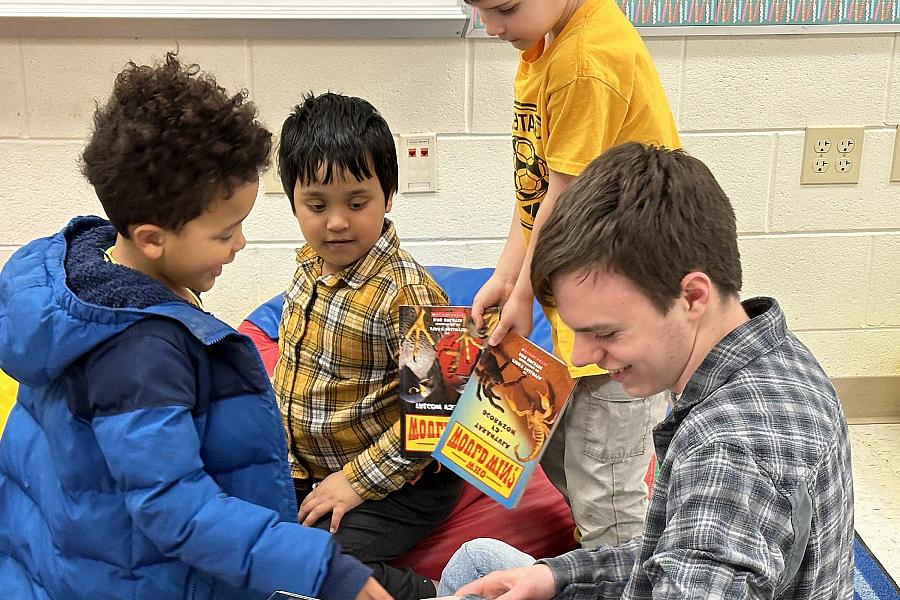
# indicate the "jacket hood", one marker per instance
pixel 59 298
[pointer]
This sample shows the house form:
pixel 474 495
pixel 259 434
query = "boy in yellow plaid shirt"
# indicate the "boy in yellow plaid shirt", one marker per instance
pixel 336 378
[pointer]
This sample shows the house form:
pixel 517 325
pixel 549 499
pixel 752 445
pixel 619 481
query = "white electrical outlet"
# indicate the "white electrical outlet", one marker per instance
pixel 820 165
pixel 418 163
pixel 831 155
pixel 845 145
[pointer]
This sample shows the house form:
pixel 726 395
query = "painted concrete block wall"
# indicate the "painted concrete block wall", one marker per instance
pixel 830 254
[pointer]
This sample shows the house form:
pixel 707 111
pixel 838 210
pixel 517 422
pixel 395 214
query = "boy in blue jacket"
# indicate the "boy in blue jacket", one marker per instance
pixel 145 456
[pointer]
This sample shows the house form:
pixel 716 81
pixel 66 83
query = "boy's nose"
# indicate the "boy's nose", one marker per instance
pixel 337 221
pixel 240 241
pixel 584 354
pixel 493 29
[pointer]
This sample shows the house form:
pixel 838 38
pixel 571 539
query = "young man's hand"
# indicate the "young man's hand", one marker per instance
pixel 516 314
pixel 525 583
pixel 372 590
pixel 334 495
pixel 494 292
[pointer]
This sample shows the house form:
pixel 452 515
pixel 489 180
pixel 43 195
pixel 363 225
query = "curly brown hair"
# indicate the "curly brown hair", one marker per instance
pixel 169 142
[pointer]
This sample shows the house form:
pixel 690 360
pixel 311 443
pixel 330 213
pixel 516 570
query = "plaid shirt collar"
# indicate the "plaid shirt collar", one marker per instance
pixel 359 272
pixel 765 330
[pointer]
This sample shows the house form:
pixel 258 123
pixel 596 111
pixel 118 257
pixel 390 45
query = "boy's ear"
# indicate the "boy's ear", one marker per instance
pixel 697 290
pixel 390 203
pixel 149 240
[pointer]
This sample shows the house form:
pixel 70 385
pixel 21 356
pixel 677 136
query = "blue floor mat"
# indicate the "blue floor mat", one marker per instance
pixel 871 581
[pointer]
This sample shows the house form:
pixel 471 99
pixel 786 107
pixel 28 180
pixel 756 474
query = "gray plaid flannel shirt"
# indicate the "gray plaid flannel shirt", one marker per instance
pixel 754 496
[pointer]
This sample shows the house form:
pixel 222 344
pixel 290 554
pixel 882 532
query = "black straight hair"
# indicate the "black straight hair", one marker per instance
pixel 334 133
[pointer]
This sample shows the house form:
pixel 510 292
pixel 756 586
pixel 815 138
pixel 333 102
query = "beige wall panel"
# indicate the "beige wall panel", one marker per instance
pixel 884 283
pixel 417 84
pixel 745 82
pixel 12 101
pixel 63 78
pixel 818 281
pixel 855 353
pixel 493 73
pixel 741 165
pixel 227 60
pixel 893 109
pixel 41 189
pixel 667 56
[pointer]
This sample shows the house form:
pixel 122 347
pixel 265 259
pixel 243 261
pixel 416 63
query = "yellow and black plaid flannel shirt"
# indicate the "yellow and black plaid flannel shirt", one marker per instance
pixel 336 378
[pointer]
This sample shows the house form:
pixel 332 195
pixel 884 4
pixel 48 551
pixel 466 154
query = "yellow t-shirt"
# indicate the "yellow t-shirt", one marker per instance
pixel 8 389
pixel 592 88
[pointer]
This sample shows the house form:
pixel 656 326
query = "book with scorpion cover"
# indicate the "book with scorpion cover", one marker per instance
pixel 504 417
pixel 438 349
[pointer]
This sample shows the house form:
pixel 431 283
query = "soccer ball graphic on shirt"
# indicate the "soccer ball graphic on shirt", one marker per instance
pixel 531 174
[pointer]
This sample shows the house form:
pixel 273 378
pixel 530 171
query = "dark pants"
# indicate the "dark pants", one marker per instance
pixel 378 531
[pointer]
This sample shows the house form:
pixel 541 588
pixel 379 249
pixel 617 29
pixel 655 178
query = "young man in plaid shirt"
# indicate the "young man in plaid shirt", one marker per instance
pixel 754 497
pixel 336 378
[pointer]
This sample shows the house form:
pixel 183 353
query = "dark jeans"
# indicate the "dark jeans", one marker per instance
pixel 378 531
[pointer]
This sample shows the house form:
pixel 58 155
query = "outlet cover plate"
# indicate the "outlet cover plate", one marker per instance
pixel 831 155
pixel 418 163
pixel 895 164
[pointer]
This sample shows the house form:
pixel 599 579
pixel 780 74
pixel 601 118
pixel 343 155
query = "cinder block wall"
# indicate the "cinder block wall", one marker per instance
pixel 830 254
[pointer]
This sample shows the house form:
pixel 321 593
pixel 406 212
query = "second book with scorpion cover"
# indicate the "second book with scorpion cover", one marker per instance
pixel 504 417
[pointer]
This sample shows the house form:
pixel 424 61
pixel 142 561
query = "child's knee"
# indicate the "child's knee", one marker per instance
pixel 488 555
pixel 477 558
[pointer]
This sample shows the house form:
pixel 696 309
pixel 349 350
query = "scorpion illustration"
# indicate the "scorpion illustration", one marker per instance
pixel 462 348
pixel 528 398
pixel 443 363
pixel 466 345
pixel 539 423
pixel 418 334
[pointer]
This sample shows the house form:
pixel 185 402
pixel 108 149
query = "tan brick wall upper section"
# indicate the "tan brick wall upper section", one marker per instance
pixel 828 253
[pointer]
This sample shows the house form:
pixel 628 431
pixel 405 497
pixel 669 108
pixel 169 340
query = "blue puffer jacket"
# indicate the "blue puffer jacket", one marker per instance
pixel 145 457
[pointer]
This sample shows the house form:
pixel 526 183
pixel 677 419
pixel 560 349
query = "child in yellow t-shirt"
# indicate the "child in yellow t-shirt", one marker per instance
pixel 585 83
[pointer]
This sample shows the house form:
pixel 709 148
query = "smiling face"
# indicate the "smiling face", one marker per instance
pixel 522 23
pixel 193 256
pixel 340 220
pixel 619 329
